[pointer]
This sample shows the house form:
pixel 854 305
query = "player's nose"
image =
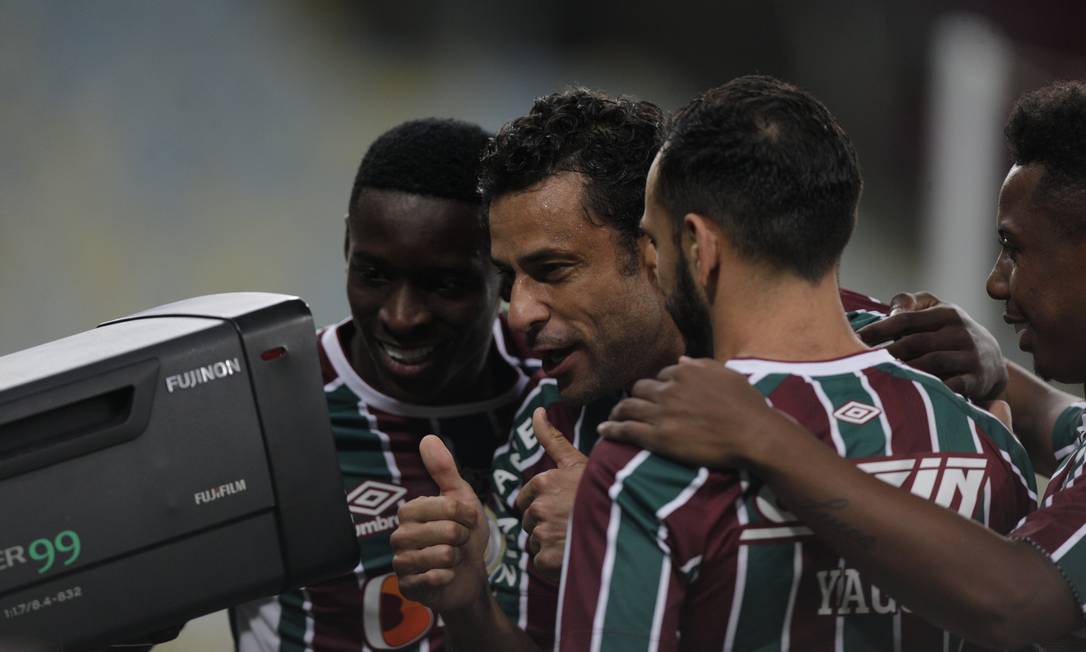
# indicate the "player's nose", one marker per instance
pixel 405 310
pixel 528 309
pixel 997 285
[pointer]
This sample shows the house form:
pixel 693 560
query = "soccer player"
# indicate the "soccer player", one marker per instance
pixel 423 352
pixel 750 203
pixel 1002 592
pixel 564 188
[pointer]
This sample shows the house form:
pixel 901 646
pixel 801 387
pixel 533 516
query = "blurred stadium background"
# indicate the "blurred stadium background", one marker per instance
pixel 154 151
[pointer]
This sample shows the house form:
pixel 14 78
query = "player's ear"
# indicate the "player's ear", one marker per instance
pixel 704 246
pixel 346 236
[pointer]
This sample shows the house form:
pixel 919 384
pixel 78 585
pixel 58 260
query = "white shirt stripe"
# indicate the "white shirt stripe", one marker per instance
pixel 933 429
pixel 1070 543
pixel 797 574
pixel 987 491
pixel 737 598
pixel 661 603
pixel 846 365
pixel 386 442
pixel 827 405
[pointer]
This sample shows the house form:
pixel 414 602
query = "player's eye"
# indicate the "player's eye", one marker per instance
pixel 1007 247
pixel 505 284
pixel 452 286
pixel 553 272
pixel 370 275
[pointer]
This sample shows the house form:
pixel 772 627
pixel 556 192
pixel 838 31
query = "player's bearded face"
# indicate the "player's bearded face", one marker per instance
pixel 591 313
pixel 1037 276
pixel 689 311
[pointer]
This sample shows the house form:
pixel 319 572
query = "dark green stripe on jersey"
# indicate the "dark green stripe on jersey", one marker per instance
pixel 766 591
pixel 638 560
pixel 860 318
pixel 291 622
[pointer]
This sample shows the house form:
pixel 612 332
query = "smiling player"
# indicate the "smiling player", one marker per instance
pixel 423 352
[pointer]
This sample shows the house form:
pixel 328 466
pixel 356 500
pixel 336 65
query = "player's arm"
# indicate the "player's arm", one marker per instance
pixel 482 625
pixel 953 572
pixel 1044 417
pixel 439 551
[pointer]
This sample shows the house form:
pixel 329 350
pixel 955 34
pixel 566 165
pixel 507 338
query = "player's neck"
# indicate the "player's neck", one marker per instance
pixel 781 318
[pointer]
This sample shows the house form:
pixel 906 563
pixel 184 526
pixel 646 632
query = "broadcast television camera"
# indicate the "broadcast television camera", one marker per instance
pixel 163 466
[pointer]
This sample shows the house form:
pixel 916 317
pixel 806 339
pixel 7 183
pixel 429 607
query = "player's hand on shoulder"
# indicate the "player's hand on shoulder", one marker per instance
pixel 698 412
pixel 545 500
pixel 440 544
pixel 941 339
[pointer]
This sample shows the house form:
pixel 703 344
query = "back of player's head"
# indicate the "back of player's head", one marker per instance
pixel 432 157
pixel 611 141
pixel 770 164
pixel 1048 127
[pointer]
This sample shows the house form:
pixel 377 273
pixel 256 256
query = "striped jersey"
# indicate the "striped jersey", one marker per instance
pixel 526 597
pixel 377 443
pixel 664 556
pixel 1058 528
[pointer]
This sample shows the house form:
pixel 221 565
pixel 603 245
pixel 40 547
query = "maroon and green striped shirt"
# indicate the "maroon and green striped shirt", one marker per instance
pixel 377 441
pixel 527 598
pixel 1058 528
pixel 664 556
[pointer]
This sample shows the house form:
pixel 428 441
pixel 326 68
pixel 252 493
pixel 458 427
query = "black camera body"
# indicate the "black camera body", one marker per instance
pixel 163 466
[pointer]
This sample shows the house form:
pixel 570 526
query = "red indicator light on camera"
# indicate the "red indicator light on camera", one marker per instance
pixel 273 354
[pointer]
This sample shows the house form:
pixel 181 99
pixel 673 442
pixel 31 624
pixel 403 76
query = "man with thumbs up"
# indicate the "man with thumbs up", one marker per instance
pixel 564 190
pixel 424 350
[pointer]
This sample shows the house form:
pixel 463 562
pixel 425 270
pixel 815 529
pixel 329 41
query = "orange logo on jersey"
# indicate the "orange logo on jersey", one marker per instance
pixel 392 621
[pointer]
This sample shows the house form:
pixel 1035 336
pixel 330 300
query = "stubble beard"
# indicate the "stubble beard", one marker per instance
pixel 690 313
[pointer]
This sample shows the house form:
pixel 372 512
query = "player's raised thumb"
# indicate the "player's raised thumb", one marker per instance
pixel 440 465
pixel 552 440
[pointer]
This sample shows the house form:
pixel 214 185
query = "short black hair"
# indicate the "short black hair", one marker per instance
pixel 770 164
pixel 611 141
pixel 1048 127
pixel 433 157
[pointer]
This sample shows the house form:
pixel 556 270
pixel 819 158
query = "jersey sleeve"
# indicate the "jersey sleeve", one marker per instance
pixel 861 309
pixel 1058 528
pixel 623 580
pixel 1065 433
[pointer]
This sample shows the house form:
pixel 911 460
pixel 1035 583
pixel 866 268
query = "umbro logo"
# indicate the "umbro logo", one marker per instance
pixel 372 498
pixel 856 412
